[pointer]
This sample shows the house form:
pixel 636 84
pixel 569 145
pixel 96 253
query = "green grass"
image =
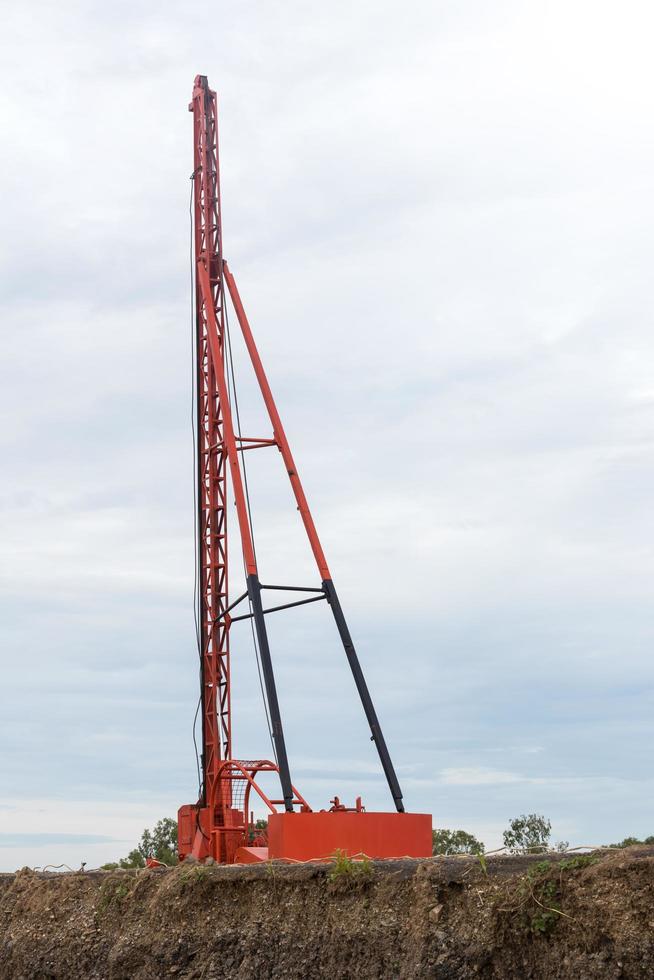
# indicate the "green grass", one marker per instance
pixel 345 868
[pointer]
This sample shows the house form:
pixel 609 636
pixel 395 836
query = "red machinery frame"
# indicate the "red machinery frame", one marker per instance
pixel 218 822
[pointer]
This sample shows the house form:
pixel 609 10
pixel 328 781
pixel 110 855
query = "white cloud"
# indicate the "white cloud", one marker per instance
pixel 478 777
pixel 442 229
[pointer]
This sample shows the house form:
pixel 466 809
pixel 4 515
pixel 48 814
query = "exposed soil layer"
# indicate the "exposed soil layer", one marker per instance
pixel 443 918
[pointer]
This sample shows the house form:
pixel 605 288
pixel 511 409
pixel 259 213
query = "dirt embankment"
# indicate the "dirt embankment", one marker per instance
pixel 590 917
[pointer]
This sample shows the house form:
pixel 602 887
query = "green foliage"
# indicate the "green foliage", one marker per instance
pixel 547 915
pixel 160 844
pixel 538 898
pixel 114 892
pixel 630 841
pixel 545 882
pixel 539 868
pixel 260 829
pixel 579 861
pixel 345 868
pixel 540 892
pixel 530 832
pixel 455 842
pixel 133 860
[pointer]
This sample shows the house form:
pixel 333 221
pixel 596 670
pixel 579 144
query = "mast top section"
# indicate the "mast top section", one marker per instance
pixel 200 85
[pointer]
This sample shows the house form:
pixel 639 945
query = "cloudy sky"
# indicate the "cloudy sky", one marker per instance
pixel 441 217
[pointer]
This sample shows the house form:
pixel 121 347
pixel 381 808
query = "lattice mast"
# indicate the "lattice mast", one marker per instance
pixel 219 453
pixel 211 528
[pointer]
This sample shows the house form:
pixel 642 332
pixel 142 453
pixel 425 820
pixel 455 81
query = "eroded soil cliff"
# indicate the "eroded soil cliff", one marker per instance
pixel 589 917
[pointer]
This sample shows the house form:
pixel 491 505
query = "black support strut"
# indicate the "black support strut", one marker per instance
pixel 364 694
pixel 254 592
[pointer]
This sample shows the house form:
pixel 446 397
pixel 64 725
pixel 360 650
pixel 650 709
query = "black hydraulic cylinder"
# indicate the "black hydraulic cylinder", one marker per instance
pixel 254 592
pixel 364 694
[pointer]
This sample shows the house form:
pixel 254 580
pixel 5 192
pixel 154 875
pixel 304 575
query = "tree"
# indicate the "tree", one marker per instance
pixel 259 831
pixel 528 832
pixel 160 844
pixel 455 842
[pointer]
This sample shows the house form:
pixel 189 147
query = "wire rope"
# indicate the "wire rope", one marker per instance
pixel 196 558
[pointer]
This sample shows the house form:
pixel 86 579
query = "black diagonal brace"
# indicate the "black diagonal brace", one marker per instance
pixel 364 694
pixel 291 588
pixel 287 605
pixel 254 592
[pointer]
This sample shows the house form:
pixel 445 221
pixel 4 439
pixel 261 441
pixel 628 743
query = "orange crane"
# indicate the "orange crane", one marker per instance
pixel 219 825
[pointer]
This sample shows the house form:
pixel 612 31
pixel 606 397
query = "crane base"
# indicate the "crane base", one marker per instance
pixel 307 836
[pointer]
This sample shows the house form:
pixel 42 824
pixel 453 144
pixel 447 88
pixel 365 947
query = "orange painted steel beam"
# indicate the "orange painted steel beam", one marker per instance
pixel 278 429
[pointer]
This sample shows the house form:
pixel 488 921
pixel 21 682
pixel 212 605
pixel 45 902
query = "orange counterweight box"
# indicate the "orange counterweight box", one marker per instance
pixel 316 836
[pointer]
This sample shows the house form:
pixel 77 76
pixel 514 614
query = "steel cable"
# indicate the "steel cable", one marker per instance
pixel 196 558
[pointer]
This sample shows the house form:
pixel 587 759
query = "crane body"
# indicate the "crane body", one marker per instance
pixel 219 824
